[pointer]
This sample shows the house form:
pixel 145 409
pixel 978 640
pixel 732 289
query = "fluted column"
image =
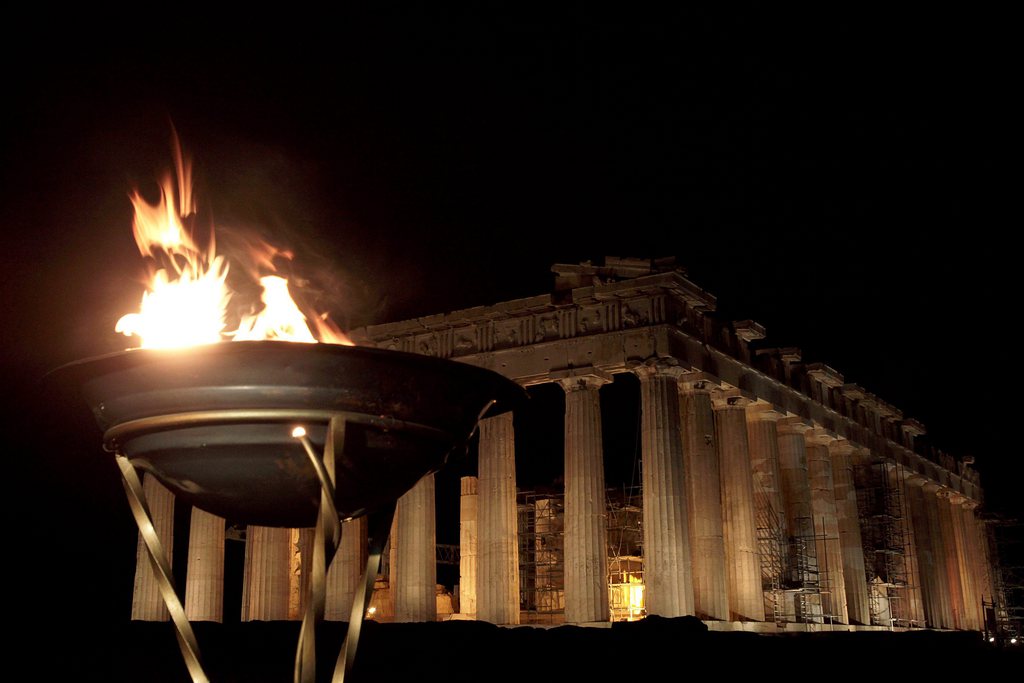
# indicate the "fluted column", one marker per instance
pixel 301 563
pixel 796 487
pixel 204 580
pixel 267 576
pixel 850 543
pixel 796 495
pixel 468 547
pixel 704 497
pixel 931 554
pixel 984 560
pixel 947 528
pixel 769 506
pixel 826 525
pixel 762 438
pixel 147 605
pixel 345 571
pixel 975 553
pixel 943 600
pixel 586 531
pixel 743 563
pixel 971 603
pixel 391 553
pixel 415 586
pixel 497 597
pixel 899 478
pixel 668 573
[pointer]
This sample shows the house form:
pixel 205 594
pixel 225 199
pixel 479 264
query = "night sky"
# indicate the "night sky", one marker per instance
pixel 842 179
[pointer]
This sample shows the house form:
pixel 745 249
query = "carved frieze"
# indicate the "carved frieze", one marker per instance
pixel 590 320
pixel 629 321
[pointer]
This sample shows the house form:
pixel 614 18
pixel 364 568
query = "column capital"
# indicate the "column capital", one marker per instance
pixel 793 425
pixel 912 427
pixel 914 478
pixel 762 410
pixel 730 399
pixel 862 455
pixel 576 379
pixel 819 436
pixel 658 367
pixel 697 383
pixel 844 447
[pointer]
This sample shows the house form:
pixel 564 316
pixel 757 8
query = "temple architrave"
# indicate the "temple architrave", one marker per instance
pixel 773 494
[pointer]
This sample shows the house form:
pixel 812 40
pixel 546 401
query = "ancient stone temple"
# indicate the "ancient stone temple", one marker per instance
pixel 773 494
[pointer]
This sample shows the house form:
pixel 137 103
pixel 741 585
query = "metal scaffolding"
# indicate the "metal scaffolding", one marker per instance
pixel 625 554
pixel 790 576
pixel 885 537
pixel 806 579
pixel 541 558
pixel 1004 611
pixel 771 546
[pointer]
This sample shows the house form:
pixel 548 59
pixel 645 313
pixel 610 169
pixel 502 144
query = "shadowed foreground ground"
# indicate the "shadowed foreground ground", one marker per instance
pixel 654 649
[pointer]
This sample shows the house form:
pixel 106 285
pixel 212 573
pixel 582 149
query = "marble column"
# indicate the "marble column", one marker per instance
pixel 204 579
pixel 497 582
pixel 831 577
pixel 742 561
pixel 850 543
pixel 763 441
pixel 267 576
pixel 391 554
pixel 415 587
pixel 468 547
pixel 947 528
pixel 984 560
pixel 668 573
pixel 704 497
pixel 796 495
pixel 931 554
pixel 346 570
pixel 586 534
pixel 981 566
pixel 943 601
pixel 969 585
pixel 770 508
pixel 300 566
pixel 147 604
pixel 977 558
pixel 899 480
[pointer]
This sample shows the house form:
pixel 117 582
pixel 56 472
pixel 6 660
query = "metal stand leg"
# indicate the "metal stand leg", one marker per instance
pixel 326 539
pixel 325 545
pixel 161 568
pixel 379 526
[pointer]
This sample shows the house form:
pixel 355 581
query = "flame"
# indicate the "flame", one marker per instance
pixel 636 593
pixel 280 317
pixel 188 300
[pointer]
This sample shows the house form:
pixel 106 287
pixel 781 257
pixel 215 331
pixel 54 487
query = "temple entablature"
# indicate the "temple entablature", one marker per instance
pixel 626 313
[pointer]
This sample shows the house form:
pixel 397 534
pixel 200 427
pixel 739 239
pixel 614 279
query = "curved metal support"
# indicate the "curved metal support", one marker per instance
pixel 326 539
pixel 379 526
pixel 327 535
pixel 161 568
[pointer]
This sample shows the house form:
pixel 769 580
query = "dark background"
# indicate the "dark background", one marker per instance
pixel 843 178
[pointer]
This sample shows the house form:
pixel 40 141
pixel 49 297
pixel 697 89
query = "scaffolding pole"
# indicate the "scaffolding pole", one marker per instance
pixel 771 546
pixel 885 535
pixel 541 558
pixel 625 554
